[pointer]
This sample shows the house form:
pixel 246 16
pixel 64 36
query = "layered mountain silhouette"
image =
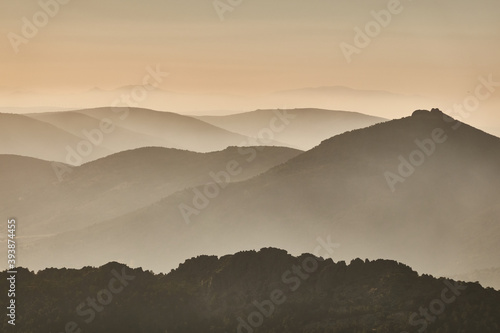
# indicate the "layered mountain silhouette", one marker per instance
pixel 264 291
pixel 178 131
pixel 383 103
pixel 53 198
pixel 76 137
pixel 80 136
pixel 421 190
pixel 119 129
pixel 25 136
pixel 306 128
pixel 89 128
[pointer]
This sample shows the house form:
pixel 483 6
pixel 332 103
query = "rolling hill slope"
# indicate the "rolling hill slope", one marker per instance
pixel 303 128
pixel 22 135
pixel 84 127
pixel 117 184
pixel 359 188
pixel 80 136
pixel 181 132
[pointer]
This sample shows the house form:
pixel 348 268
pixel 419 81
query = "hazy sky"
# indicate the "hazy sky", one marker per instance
pixel 430 48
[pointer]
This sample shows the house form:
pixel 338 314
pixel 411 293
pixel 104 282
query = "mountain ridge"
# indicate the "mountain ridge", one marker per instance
pixel 304 127
pixel 267 290
pixel 339 188
pixel 97 190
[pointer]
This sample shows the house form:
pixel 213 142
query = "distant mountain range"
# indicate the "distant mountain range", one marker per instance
pixel 264 291
pixel 345 98
pixel 77 137
pixel 25 136
pixel 421 190
pixel 306 128
pixel 325 97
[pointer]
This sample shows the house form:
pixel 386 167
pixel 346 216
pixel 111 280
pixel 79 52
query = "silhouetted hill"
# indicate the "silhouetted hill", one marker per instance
pixel 79 136
pixel 439 217
pixel 264 291
pixel 300 128
pixel 442 217
pixel 84 126
pixel 179 131
pixel 22 135
pixel 115 185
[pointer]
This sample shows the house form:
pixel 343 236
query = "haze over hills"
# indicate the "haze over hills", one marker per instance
pixel 115 185
pixel 323 97
pixel 346 98
pixel 181 132
pixel 306 128
pixel 77 137
pixel 440 218
pixel 22 135
pixel 136 134
pixel 85 126
pixel 340 188
pixel 264 291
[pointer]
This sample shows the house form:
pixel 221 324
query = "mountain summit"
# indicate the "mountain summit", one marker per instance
pixel 421 190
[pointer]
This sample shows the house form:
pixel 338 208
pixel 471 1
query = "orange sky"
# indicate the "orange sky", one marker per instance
pixel 436 49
